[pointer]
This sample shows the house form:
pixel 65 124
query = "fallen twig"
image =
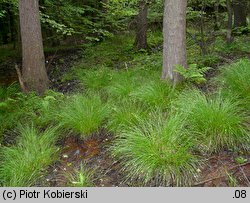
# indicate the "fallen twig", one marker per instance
pixel 243 172
pixel 222 176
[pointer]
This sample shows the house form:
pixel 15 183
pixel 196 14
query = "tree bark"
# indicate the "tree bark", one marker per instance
pixel 216 15
pixel 174 31
pixel 34 73
pixel 240 13
pixel 229 22
pixel 142 24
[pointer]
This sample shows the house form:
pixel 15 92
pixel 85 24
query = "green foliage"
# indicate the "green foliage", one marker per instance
pixel 111 53
pixel 7 52
pixel 155 94
pixel 94 79
pixel 122 85
pixel 193 73
pixel 157 151
pixel 8 91
pixel 240 160
pixel 215 123
pixel 232 181
pixel 24 164
pixel 240 45
pixel 75 18
pixel 124 115
pixel 82 114
pixel 18 106
pixel 235 81
pixel 80 178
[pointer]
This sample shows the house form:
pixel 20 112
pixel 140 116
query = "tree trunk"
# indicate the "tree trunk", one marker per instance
pixel 142 22
pixel 34 73
pixel 216 15
pixel 240 13
pixel 202 27
pixel 174 31
pixel 229 22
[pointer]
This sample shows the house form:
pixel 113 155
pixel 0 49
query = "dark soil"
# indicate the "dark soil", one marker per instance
pixel 220 170
pixel 57 65
pixel 93 153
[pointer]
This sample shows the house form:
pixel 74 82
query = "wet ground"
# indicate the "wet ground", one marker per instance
pixel 220 170
pixel 93 153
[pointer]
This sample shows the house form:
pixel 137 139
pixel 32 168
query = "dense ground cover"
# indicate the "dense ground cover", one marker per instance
pixel 150 132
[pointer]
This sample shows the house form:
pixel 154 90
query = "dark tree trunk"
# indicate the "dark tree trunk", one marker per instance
pixel 240 13
pixel 229 22
pixel 142 23
pixel 34 74
pixel 216 15
pixel 202 27
pixel 174 31
pixel 12 26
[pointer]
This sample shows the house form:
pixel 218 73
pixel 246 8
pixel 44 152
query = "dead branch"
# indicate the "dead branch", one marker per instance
pixel 20 78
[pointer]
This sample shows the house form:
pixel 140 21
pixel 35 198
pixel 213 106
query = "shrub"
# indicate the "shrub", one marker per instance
pixel 157 151
pixel 215 123
pixel 82 114
pixel 24 164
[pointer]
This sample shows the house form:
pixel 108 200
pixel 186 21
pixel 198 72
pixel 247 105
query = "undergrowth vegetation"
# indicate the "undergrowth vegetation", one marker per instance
pixel 159 132
pixel 235 81
pixel 82 114
pixel 157 150
pixel 216 123
pixel 80 177
pixel 22 165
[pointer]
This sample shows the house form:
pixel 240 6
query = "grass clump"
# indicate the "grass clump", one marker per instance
pixel 24 164
pixel 8 91
pixel 157 152
pixel 235 80
pixel 215 123
pixel 94 79
pixel 156 94
pixel 80 178
pixel 124 115
pixel 83 114
pixel 122 85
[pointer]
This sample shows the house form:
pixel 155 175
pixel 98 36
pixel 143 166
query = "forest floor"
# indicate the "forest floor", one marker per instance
pixel 219 170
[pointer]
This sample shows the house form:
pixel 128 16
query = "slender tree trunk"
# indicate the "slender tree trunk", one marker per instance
pixel 142 23
pixel 34 73
pixel 202 27
pixel 174 30
pixel 240 13
pixel 12 26
pixel 229 22
pixel 216 13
